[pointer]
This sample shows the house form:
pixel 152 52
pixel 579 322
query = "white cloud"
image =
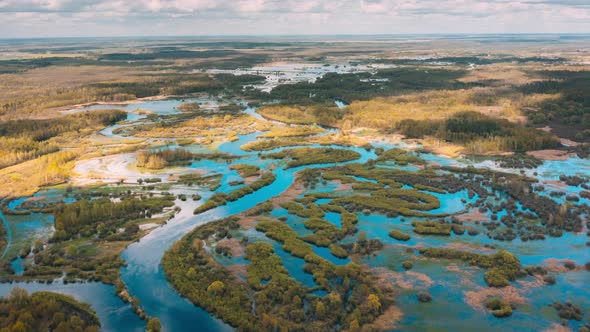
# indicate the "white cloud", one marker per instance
pixel 188 5
pixel 92 17
pixel 373 6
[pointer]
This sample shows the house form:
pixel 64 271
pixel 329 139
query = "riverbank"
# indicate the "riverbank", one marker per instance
pixel 79 107
pixel 145 280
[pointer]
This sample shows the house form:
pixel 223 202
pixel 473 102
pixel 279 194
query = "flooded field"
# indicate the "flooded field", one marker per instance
pixel 363 206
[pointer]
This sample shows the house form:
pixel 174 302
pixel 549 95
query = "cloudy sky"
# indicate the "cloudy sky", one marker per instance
pixel 49 18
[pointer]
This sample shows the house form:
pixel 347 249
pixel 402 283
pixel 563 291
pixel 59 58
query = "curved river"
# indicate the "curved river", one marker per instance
pixel 8 235
pixel 144 276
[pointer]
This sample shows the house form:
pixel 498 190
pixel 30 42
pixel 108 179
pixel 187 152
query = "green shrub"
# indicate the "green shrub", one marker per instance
pixel 407 265
pixel 431 228
pixel 499 307
pixel 338 251
pixel 311 156
pixel 502 266
pixel 399 235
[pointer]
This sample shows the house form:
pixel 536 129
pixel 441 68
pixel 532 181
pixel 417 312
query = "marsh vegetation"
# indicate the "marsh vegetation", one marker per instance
pixel 351 222
pixel 45 311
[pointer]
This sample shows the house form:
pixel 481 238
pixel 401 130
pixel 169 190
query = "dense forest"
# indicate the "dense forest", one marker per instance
pixel 364 86
pixel 481 59
pixel 569 115
pixel 45 311
pixel 22 140
pixel 104 216
pixel 481 132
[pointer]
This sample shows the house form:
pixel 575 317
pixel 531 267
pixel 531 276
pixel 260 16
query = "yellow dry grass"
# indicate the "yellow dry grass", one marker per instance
pixel 339 139
pixel 201 126
pixel 503 74
pixel 41 80
pixel 37 93
pixel 26 178
pixel 289 114
pixel 442 148
pixel 386 113
pixel 283 131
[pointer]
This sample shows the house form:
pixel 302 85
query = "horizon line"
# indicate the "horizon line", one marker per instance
pixel 433 34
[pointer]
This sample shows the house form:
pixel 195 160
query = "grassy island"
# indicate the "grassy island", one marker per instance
pixel 280 299
pixel 45 311
pixel 220 199
pixel 310 156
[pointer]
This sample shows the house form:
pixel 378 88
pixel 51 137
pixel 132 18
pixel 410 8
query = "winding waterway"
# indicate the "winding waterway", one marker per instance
pixel 143 275
pixel 146 281
pixel 8 235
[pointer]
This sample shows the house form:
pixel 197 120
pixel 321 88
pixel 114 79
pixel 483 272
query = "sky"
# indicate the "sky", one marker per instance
pixel 80 18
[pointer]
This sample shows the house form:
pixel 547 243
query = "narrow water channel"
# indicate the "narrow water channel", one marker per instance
pixel 145 278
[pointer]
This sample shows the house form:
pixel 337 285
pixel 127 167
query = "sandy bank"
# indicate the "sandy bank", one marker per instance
pixel 558 155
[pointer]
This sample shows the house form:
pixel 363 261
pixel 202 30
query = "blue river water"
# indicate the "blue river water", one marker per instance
pixel 145 279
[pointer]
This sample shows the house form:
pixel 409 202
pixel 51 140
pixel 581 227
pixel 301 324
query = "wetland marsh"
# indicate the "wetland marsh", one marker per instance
pixel 309 195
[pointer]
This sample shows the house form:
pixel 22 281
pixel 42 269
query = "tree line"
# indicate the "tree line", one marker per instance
pixel 468 127
pixel 45 311
pixel 103 216
pixel 22 140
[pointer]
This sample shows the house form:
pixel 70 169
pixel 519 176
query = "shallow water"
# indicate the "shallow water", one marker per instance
pixel 340 104
pixel 143 258
pixel 8 235
pixel 146 280
pixel 160 107
pixel 114 315
pixel 289 73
